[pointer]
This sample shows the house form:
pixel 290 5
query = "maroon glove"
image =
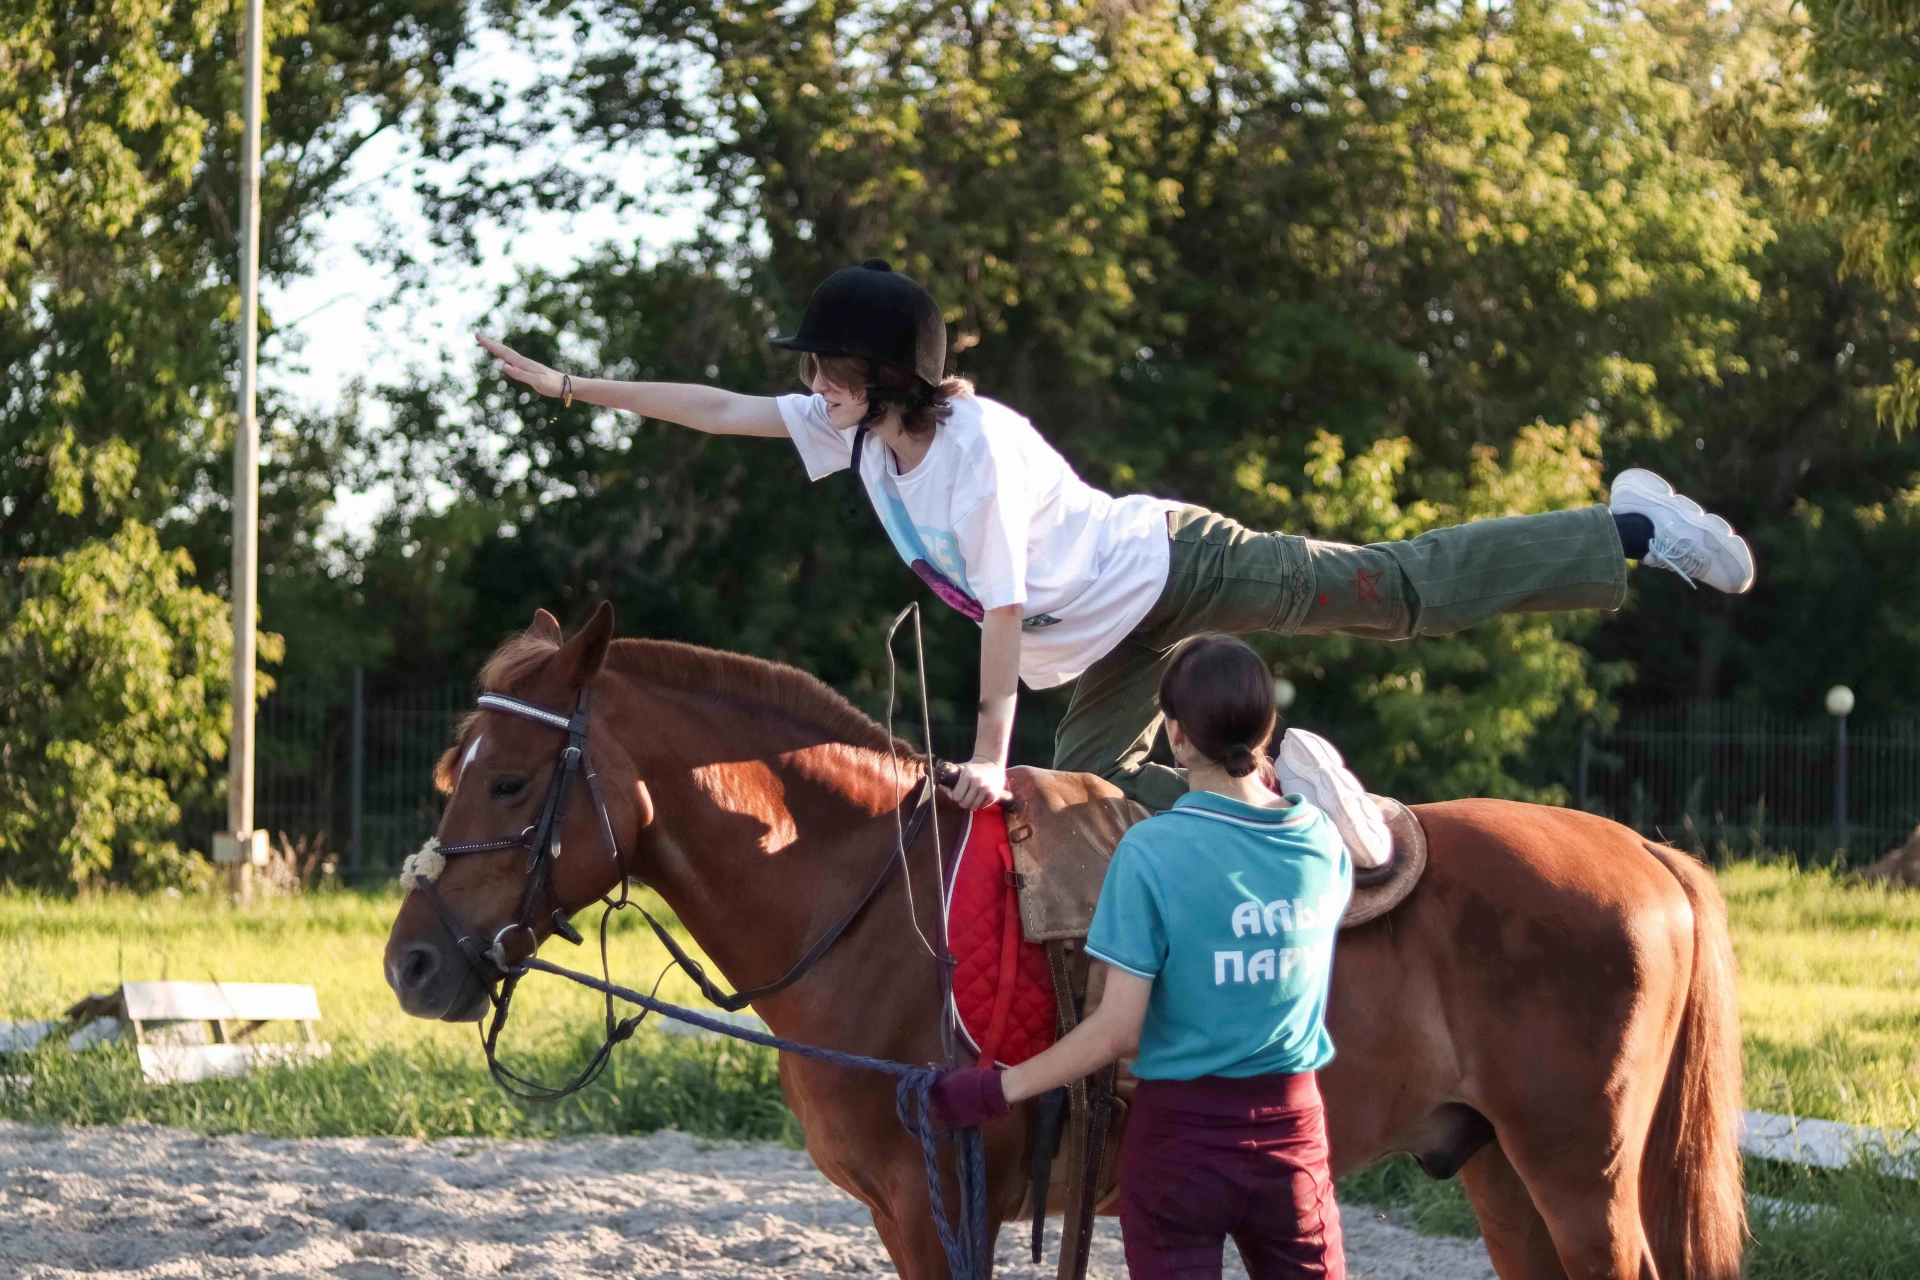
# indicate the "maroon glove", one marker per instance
pixel 967 1098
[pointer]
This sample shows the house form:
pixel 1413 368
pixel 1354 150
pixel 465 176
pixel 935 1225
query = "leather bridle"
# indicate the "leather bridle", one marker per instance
pixel 541 840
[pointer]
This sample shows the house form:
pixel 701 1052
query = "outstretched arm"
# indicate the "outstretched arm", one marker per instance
pixel 708 409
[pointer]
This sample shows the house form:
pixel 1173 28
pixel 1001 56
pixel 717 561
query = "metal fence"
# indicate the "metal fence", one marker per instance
pixel 1736 780
pixel 352 767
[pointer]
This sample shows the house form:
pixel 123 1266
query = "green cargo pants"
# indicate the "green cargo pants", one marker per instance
pixel 1226 577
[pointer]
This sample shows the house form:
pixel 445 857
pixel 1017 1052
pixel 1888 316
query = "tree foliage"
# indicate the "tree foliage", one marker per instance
pixel 114 677
pixel 1343 270
pixel 120 130
pixel 1351 270
pixel 1863 65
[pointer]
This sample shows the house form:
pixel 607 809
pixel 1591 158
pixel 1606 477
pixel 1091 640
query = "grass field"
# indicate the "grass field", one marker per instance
pixel 1829 994
pixel 389 1073
pixel 1830 998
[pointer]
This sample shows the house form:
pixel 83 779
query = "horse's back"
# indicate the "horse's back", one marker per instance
pixel 1511 863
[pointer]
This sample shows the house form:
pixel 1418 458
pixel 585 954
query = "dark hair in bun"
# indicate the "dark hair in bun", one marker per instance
pixel 1222 695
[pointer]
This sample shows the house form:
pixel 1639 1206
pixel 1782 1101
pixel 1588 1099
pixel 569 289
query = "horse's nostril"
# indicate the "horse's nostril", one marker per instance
pixel 419 965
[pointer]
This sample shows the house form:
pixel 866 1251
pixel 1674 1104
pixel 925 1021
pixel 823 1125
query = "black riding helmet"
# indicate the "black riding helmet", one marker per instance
pixel 874 312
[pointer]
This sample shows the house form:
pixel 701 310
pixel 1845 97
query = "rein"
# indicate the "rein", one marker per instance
pixel 969 1252
pixel 739 1000
pixel 541 840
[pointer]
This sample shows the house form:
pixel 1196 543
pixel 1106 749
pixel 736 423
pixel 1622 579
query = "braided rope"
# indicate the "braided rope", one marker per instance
pixel 969 1256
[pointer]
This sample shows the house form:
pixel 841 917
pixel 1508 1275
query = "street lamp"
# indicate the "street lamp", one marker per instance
pixel 1283 692
pixel 1840 706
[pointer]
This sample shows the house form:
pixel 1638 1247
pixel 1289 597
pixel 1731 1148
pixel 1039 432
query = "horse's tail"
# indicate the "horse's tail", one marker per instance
pixel 1691 1197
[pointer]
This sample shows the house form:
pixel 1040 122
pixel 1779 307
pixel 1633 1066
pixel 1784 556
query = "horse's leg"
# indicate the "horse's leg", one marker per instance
pixel 1594 1219
pixel 1516 1235
pixel 904 1219
pixel 1582 1163
pixel 1578 1141
pixel 856 1141
pixel 903 1215
pixel 1579 948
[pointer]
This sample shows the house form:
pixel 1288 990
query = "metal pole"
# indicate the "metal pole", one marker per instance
pixel 357 773
pixel 1840 786
pixel 246 484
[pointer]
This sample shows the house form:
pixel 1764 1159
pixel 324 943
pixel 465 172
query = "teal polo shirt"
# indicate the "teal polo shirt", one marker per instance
pixel 1231 910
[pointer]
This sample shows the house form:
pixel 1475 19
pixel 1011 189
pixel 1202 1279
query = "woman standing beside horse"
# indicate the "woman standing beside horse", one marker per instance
pixel 1226 1135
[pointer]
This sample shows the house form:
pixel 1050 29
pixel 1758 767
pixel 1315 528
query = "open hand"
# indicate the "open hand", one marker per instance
pixel 978 783
pixel 516 366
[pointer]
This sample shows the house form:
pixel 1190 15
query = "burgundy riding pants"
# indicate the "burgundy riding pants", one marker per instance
pixel 1215 1157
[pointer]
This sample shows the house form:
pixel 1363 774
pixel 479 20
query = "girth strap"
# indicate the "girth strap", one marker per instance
pixel 1088 1112
pixel 738 1000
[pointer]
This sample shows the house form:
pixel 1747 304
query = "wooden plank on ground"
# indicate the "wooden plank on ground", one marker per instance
pixel 186 1063
pixel 217 1001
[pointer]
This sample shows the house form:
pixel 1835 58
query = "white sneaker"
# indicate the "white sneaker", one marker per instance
pixel 1695 545
pixel 1311 766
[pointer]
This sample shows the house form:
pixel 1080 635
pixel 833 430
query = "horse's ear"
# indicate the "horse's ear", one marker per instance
pixel 544 626
pixel 580 658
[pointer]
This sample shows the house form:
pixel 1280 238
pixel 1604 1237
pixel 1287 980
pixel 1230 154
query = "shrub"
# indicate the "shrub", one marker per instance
pixel 114 684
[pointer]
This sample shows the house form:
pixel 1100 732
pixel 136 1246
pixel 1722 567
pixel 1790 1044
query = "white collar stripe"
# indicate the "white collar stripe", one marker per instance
pixel 1256 824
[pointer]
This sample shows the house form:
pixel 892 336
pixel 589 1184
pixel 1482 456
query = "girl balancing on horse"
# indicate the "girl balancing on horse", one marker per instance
pixel 1069 583
pixel 1216 923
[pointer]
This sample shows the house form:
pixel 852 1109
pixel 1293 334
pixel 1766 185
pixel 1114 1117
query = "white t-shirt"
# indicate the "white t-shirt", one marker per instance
pixel 993 516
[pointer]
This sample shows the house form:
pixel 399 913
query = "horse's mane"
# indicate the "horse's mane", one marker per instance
pixel 774 686
pixel 771 686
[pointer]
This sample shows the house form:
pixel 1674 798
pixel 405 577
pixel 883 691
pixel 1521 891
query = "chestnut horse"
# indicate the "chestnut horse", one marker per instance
pixel 1554 973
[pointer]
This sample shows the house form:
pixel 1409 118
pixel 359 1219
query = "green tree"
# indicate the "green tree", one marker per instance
pixel 120 126
pixel 113 696
pixel 119 153
pixel 1863 67
pixel 1216 251
pixel 1788 438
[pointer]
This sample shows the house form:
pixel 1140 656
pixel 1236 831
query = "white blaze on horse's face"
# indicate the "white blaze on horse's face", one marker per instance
pixel 468 759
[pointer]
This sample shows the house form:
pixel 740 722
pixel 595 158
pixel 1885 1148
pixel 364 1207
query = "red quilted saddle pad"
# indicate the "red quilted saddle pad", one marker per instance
pixel 1002 991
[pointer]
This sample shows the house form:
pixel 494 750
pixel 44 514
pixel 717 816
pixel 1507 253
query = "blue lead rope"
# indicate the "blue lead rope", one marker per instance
pixel 969 1256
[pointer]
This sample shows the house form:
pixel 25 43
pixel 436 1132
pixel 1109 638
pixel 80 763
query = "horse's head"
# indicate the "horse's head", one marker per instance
pixel 500 874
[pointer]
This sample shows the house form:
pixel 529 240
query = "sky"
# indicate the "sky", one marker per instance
pixel 339 321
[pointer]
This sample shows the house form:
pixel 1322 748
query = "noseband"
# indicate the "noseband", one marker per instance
pixel 541 841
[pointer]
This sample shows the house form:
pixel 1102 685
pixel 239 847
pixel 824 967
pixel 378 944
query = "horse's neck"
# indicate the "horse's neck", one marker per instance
pixel 760 847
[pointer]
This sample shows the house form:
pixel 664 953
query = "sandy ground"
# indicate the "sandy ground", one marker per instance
pixel 144 1201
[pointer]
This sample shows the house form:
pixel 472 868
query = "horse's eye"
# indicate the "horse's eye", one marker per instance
pixel 508 788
